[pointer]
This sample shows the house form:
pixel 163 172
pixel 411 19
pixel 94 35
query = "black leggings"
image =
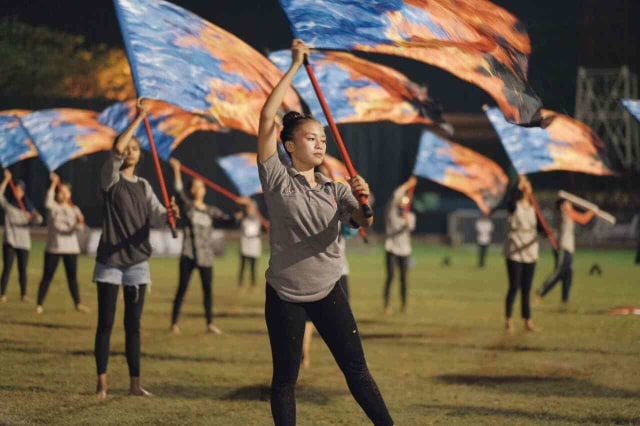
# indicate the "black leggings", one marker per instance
pixel 520 278
pixel 402 262
pixel 70 262
pixel 133 304
pixel 8 254
pixel 563 272
pixel 187 266
pixel 343 283
pixel 252 265
pixel 482 254
pixel 334 321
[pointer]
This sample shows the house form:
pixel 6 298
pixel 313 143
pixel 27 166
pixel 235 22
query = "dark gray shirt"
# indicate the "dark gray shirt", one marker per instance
pixel 130 209
pixel 197 243
pixel 305 260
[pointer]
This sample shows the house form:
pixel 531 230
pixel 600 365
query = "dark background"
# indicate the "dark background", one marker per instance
pixel 565 34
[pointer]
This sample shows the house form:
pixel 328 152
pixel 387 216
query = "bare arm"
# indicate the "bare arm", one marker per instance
pixel 581 218
pixel 122 141
pixel 3 187
pixel 50 200
pixel 267 130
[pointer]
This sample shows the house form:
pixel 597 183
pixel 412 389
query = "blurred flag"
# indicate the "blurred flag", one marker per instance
pixel 15 144
pixel 242 169
pixel 180 58
pixel 336 170
pixel 633 106
pixel 564 144
pixel 361 91
pixel 170 125
pixel 474 40
pixel 63 134
pixel 462 169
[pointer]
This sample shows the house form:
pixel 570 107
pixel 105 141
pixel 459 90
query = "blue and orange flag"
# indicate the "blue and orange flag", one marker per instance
pixel 15 143
pixel 459 168
pixel 61 135
pixel 180 58
pixel 633 106
pixel 564 144
pixel 170 125
pixel 475 40
pixel 358 90
pixel 242 169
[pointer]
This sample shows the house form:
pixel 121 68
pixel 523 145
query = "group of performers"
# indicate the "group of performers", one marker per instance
pixel 311 216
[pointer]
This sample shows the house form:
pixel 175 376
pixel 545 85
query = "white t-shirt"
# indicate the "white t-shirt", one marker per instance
pixel 484 228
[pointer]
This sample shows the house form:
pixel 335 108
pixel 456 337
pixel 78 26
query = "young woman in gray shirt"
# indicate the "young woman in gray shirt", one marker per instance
pixel 305 210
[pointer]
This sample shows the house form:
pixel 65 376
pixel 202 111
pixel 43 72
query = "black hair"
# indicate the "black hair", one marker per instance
pixel 290 123
pixel 26 201
pixel 559 202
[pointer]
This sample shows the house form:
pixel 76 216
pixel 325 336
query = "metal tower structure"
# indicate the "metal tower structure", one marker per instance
pixel 598 105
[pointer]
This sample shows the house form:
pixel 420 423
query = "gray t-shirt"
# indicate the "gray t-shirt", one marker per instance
pixel 250 242
pixel 521 244
pixel 197 243
pixel 16 225
pixel 398 227
pixel 305 261
pixel 567 240
pixel 62 226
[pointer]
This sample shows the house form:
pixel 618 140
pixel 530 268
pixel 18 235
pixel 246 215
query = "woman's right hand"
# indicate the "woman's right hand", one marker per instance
pixel 55 179
pixel 7 175
pixel 143 106
pixel 299 51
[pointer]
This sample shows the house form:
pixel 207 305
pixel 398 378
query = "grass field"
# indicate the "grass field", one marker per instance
pixel 446 361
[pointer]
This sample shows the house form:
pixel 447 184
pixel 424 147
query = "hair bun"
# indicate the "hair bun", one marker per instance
pixel 290 117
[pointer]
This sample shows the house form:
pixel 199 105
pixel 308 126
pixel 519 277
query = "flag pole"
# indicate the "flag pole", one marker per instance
pixel 366 209
pixel 154 153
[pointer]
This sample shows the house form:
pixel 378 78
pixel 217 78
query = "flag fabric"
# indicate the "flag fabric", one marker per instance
pixel 459 168
pixel 475 40
pixel 358 90
pixel 15 143
pixel 336 169
pixel 564 144
pixel 180 58
pixel 64 134
pixel 242 169
pixel 170 125
pixel 633 106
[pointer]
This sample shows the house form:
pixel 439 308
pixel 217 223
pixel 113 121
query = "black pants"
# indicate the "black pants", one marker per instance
pixel 70 262
pixel 343 283
pixel 133 304
pixel 334 321
pixel 8 254
pixel 187 266
pixel 563 272
pixel 482 254
pixel 520 278
pixel 402 262
pixel 252 265
pixel 638 254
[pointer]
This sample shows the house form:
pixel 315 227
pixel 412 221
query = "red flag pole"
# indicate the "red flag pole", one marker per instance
pixel 410 193
pixel 15 195
pixel 544 223
pixel 220 190
pixel 210 184
pixel 366 209
pixel 165 195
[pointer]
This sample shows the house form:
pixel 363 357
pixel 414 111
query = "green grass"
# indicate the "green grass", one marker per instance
pixel 445 361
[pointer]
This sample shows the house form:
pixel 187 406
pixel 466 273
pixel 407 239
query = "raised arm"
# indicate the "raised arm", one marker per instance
pixel 3 186
pixel 50 200
pixel 268 129
pixel 581 218
pixel 122 141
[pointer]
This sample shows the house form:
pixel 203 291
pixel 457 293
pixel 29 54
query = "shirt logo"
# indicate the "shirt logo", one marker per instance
pixel 288 191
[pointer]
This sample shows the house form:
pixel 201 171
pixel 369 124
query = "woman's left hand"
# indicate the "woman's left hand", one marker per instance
pixel 359 186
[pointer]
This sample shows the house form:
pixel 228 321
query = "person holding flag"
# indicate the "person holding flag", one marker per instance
pixel 521 251
pixel 250 241
pixel 64 220
pixel 19 214
pixel 305 210
pixel 399 223
pixel 566 247
pixel 197 245
pixel 130 208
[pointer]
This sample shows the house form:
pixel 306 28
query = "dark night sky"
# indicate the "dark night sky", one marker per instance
pixel 556 27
